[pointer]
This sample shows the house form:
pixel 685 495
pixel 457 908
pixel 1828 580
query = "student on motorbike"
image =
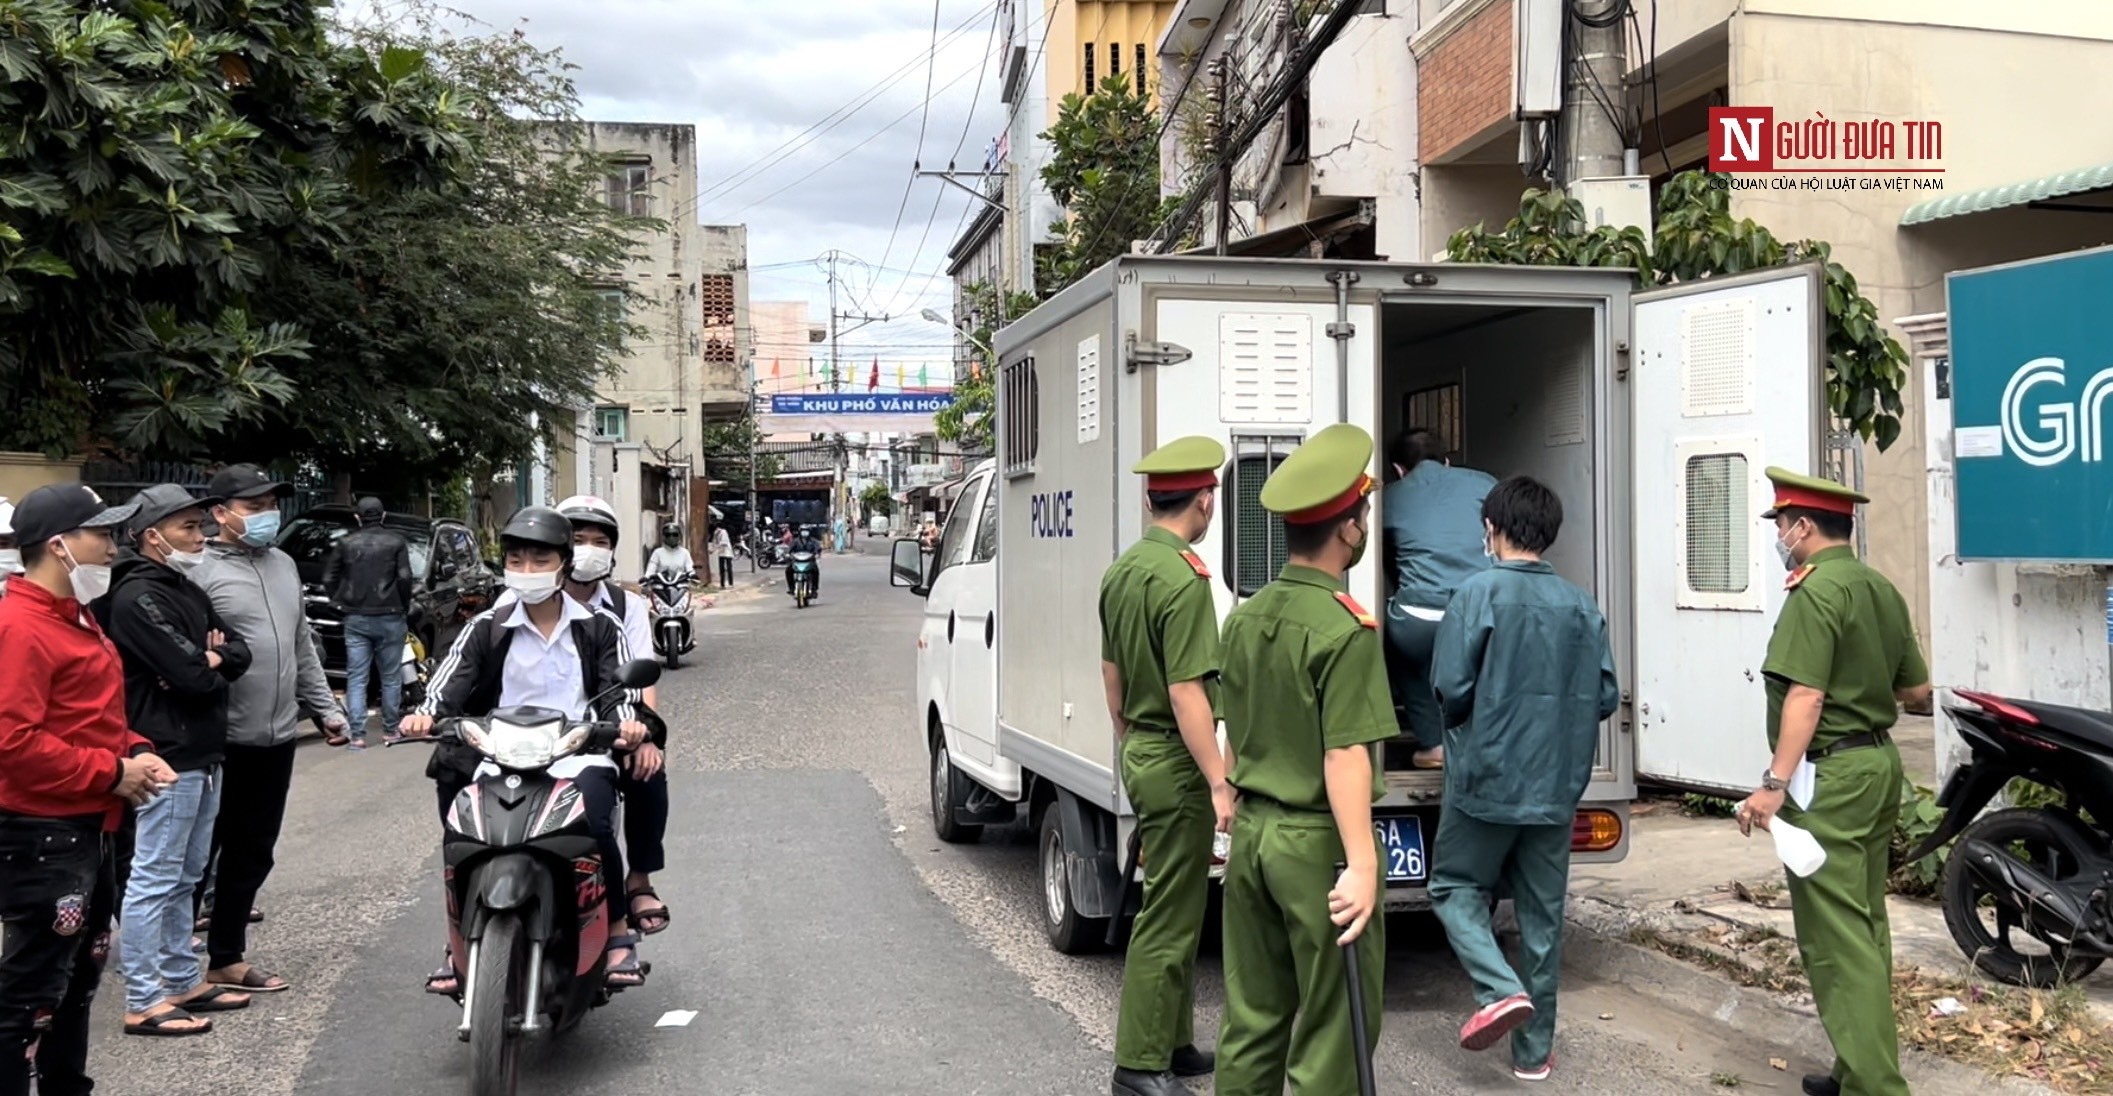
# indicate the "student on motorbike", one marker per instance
pixel 644 785
pixel 805 542
pixel 536 647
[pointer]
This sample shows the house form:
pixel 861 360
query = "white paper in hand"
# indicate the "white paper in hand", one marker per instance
pixel 1798 850
pixel 1801 781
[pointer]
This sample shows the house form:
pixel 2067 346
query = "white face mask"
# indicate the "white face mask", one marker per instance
pixel 182 561
pixel 591 562
pixel 10 561
pixel 90 580
pixel 533 587
pixel 1788 551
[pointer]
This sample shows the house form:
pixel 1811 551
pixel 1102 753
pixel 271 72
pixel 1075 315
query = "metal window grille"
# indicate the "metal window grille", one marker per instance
pixel 1020 436
pixel 1092 52
pixel 1844 464
pixel 1115 59
pixel 1718 522
pixel 1140 69
pixel 629 190
pixel 1435 409
pixel 1254 537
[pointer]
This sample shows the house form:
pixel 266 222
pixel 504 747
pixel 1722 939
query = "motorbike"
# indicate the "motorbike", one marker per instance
pixel 415 671
pixel 2028 891
pixel 669 596
pixel 805 573
pixel 528 917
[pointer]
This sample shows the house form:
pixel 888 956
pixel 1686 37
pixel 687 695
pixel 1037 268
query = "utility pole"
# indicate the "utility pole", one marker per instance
pixel 1595 105
pixel 840 500
pixel 754 524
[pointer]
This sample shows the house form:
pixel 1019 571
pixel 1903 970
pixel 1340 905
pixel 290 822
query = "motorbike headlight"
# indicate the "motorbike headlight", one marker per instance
pixel 521 747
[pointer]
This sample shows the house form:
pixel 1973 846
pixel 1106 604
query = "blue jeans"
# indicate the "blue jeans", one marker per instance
pixel 168 859
pixel 376 643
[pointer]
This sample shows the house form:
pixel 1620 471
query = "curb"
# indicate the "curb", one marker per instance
pixel 1596 942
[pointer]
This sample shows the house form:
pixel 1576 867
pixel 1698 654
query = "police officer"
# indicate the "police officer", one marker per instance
pixel 1159 663
pixel 1842 663
pixel 1304 697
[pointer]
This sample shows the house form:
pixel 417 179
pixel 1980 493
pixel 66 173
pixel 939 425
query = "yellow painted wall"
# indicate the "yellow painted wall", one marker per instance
pixel 1125 24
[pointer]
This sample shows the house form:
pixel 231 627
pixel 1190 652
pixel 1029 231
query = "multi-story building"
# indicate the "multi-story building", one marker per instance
pixel 1429 116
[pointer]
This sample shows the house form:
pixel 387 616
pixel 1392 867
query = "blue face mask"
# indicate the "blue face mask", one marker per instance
pixel 259 530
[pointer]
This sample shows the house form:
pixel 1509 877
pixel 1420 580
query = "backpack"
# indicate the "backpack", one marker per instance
pixel 457 762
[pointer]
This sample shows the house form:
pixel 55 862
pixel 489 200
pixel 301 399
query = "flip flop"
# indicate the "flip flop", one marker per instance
pixel 648 922
pixel 215 999
pixel 157 1025
pixel 254 980
pixel 628 974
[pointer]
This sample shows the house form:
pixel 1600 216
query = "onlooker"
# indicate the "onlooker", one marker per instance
pixel 723 551
pixel 68 766
pixel 1433 514
pixel 368 578
pixel 179 657
pixel 10 556
pixel 257 592
pixel 1524 674
pixel 671 558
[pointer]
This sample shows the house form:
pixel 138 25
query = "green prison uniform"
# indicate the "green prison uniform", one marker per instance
pixel 1525 676
pixel 1846 632
pixel 1160 627
pixel 1304 674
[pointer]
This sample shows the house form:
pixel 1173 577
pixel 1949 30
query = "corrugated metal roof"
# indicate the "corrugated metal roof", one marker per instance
pixel 2077 181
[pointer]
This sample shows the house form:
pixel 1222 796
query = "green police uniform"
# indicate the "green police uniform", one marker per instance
pixel 1846 631
pixel 1304 674
pixel 1159 627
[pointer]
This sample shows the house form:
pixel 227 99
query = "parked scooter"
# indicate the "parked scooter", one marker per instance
pixel 2028 891
pixel 669 596
pixel 528 917
pixel 806 576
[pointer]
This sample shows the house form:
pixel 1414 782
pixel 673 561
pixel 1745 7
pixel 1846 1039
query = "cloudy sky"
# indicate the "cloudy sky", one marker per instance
pixel 808 119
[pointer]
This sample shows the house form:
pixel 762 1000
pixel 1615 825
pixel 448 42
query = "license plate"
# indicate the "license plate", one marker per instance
pixel 1401 848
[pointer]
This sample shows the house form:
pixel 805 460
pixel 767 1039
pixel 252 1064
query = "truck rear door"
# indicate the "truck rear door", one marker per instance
pixel 1725 380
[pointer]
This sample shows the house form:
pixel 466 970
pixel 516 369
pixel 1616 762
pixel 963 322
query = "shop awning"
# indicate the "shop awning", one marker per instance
pixel 2041 193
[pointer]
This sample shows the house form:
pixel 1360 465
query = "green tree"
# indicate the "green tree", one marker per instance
pixel 1695 238
pixel 967 421
pixel 876 499
pixel 727 446
pixel 1104 169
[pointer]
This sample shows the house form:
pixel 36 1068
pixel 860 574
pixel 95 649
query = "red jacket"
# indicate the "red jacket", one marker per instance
pixel 62 709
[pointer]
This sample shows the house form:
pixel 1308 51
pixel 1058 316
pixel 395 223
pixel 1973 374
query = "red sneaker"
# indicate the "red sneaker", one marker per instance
pixel 1540 1074
pixel 1494 1021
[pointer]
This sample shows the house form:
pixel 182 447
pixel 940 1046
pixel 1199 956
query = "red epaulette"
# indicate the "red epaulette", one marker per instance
pixel 1364 619
pixel 1790 581
pixel 1196 564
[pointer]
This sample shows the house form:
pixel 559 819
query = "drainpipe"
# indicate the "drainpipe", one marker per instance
pixel 1341 331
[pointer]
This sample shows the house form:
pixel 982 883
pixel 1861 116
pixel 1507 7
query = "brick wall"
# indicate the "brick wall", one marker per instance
pixel 1464 85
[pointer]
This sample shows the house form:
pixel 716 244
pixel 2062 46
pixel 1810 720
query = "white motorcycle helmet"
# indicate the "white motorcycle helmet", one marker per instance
pixel 591 563
pixel 10 556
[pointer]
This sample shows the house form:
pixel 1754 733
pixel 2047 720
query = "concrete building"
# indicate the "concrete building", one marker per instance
pixel 790 349
pixel 1411 129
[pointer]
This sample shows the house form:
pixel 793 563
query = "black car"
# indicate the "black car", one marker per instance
pixel 450 581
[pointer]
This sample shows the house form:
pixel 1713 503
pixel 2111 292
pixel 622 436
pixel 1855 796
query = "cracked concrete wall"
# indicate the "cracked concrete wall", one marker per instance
pixel 1362 129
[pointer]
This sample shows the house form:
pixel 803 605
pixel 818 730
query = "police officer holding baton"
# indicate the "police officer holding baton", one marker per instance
pixel 1159 664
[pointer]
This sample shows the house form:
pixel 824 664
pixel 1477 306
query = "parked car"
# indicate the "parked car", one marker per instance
pixel 450 582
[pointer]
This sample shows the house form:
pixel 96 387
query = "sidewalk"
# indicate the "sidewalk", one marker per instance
pixel 1694 889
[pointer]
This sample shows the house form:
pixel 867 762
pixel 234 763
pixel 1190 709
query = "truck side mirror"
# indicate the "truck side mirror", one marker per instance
pixel 906 566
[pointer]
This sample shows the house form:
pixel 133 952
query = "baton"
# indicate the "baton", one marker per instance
pixel 1122 902
pixel 1353 978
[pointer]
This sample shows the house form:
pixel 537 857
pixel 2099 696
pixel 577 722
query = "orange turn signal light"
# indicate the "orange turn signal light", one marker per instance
pixel 1595 831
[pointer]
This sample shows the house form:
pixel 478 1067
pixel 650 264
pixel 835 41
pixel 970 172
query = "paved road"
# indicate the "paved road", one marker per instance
pixel 827 941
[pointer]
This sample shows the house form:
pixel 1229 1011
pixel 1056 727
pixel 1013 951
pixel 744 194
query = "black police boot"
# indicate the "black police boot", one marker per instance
pixel 1190 1062
pixel 1136 1082
pixel 1820 1084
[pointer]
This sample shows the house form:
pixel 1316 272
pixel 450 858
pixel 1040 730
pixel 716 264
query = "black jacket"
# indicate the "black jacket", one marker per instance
pixel 159 619
pixel 370 573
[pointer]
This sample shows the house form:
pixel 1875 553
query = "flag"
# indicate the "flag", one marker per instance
pixel 921 382
pixel 898 376
pixel 975 370
pixel 873 382
pixel 810 367
pixel 773 367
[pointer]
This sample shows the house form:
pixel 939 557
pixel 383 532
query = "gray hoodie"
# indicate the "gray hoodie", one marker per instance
pixel 257 591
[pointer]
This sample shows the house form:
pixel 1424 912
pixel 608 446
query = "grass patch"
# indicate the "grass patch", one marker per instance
pixel 2047 1036
pixel 1707 806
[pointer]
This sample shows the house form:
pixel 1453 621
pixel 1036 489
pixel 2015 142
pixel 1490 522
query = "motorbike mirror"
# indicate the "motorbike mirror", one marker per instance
pixel 906 565
pixel 639 673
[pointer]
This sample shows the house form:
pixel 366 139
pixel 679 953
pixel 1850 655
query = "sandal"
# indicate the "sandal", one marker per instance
pixel 649 921
pixel 444 982
pixel 158 1023
pixel 628 973
pixel 216 998
pixel 336 738
pixel 255 979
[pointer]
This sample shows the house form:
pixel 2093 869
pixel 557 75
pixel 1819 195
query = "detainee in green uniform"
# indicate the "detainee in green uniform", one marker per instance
pixel 1304 696
pixel 1842 663
pixel 1159 665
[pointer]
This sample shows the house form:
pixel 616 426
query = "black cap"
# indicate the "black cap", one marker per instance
pixel 370 509
pixel 60 508
pixel 245 481
pixel 163 501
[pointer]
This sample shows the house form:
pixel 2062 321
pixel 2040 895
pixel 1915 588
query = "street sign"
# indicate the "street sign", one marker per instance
pixel 2032 381
pixel 851 403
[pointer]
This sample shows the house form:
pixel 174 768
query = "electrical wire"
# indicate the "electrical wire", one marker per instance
pixel 975 101
pixel 923 121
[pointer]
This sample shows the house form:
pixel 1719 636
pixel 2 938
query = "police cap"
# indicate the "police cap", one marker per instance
pixel 1184 464
pixel 1322 478
pixel 1810 493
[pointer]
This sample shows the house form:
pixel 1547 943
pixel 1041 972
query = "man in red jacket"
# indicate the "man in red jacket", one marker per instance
pixel 68 765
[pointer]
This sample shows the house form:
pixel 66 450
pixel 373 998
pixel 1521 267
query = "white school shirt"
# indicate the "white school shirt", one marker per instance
pixel 545 673
pixel 638 631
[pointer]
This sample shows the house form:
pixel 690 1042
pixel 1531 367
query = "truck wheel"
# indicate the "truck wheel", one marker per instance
pixel 946 796
pixel 1068 932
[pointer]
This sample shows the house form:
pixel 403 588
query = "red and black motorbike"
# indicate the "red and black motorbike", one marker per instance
pixel 2028 891
pixel 528 917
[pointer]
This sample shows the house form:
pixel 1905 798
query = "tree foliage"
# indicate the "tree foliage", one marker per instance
pixel 967 422
pixel 727 446
pixel 1697 238
pixel 1104 169
pixel 876 499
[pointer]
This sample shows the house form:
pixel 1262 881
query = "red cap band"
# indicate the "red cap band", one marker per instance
pixel 1181 481
pixel 1314 515
pixel 1804 498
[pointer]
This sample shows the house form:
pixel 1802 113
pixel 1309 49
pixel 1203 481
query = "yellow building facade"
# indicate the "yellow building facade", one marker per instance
pixel 1091 40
